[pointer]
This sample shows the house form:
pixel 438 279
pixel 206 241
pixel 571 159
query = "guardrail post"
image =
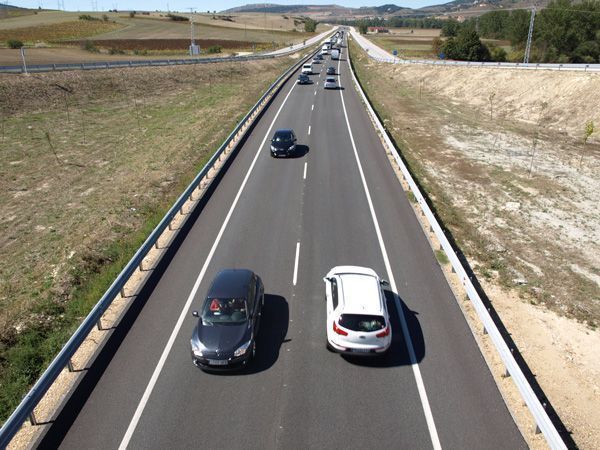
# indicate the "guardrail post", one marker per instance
pixel 70 365
pixel 99 324
pixel 537 427
pixel 123 288
pixel 32 419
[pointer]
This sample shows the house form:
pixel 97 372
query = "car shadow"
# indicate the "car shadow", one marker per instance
pixel 271 336
pixel 301 150
pixel 398 354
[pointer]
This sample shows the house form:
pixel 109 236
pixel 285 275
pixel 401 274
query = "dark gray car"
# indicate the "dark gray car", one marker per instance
pixel 225 335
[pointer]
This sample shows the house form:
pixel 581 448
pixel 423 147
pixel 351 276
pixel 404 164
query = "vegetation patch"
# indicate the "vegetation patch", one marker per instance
pixel 164 44
pixel 60 31
pixel 90 162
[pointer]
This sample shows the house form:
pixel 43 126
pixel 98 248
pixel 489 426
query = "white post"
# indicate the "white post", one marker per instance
pixel 23 58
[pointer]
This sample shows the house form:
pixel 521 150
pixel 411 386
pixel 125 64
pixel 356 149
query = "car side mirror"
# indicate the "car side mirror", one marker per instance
pixel 385 282
pixel 195 314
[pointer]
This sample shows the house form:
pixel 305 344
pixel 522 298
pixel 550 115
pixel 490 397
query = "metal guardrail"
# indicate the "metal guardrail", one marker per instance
pixel 133 63
pixel 542 420
pixel 63 359
pixel 489 65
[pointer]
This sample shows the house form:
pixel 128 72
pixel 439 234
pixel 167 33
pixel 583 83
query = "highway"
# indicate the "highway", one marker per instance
pixel 337 202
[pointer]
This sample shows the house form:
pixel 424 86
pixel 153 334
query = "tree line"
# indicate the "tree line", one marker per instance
pixel 564 32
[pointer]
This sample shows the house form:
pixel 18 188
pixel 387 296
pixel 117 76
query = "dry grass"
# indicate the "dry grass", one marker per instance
pixel 88 161
pixel 62 31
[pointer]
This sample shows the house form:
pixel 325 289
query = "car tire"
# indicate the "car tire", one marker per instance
pixel 329 347
pixel 253 350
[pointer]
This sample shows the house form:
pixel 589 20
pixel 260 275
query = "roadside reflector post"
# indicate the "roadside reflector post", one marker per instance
pixel 32 419
pixel 70 365
pixel 99 324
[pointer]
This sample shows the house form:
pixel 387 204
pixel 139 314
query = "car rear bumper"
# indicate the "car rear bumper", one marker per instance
pixel 358 351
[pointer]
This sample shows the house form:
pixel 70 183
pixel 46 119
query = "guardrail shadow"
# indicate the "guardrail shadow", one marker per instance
pixel 398 354
pixel 271 336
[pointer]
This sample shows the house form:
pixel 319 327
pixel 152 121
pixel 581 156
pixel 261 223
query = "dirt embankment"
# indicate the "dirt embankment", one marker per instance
pixel 502 155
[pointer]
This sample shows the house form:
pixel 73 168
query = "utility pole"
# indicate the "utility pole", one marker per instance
pixel 194 49
pixel 529 37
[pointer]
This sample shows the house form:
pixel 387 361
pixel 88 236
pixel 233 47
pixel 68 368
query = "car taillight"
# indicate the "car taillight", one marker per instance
pixel 338 330
pixel 384 333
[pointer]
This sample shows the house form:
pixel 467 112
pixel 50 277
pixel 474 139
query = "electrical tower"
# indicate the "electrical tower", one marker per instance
pixel 529 37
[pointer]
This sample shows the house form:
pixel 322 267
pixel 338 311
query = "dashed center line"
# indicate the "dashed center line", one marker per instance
pixel 312 108
pixel 305 166
pixel 309 130
pixel 296 263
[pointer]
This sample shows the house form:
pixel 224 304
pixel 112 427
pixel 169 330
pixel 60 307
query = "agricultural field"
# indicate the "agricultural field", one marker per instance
pixel 151 34
pixel 506 160
pixel 409 42
pixel 416 43
pixel 50 33
pixel 89 163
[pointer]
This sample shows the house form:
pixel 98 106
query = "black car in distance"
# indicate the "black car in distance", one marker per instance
pixel 225 335
pixel 303 79
pixel 283 143
pixel 331 70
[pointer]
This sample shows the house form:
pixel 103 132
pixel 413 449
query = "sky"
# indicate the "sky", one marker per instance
pixel 185 5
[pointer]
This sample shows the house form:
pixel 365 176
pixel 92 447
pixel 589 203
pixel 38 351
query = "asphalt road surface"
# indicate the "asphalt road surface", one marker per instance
pixel 337 202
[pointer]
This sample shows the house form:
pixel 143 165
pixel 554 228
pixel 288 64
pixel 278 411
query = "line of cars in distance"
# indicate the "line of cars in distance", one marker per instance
pixel 283 142
pixel 224 338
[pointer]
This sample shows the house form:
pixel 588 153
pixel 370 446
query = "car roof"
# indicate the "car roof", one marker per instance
pixel 360 293
pixel 230 283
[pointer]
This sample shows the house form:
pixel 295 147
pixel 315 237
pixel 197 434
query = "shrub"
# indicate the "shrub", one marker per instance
pixel 177 18
pixel 87 17
pixel 90 47
pixel 132 14
pixel 116 51
pixel 214 49
pixel 105 17
pixel 140 52
pixel 496 53
pixel 14 43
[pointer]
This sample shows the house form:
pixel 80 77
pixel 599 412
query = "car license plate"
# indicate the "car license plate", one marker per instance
pixel 361 350
pixel 218 362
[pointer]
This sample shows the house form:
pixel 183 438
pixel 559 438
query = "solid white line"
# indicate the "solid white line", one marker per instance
pixel 305 166
pixel 435 440
pixel 309 130
pixel 163 358
pixel 296 263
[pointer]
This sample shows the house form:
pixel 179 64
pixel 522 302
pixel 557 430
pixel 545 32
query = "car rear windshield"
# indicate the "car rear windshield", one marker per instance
pixel 224 311
pixel 362 322
pixel 283 137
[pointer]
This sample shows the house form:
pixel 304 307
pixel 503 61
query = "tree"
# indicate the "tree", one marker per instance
pixel 466 46
pixel 363 27
pixel 436 45
pixel 450 28
pixel 589 129
pixel 310 25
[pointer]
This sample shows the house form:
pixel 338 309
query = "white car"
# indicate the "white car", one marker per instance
pixel 307 69
pixel 330 83
pixel 357 317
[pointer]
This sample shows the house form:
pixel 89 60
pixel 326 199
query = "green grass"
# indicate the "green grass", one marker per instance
pixel 441 256
pixel 138 156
